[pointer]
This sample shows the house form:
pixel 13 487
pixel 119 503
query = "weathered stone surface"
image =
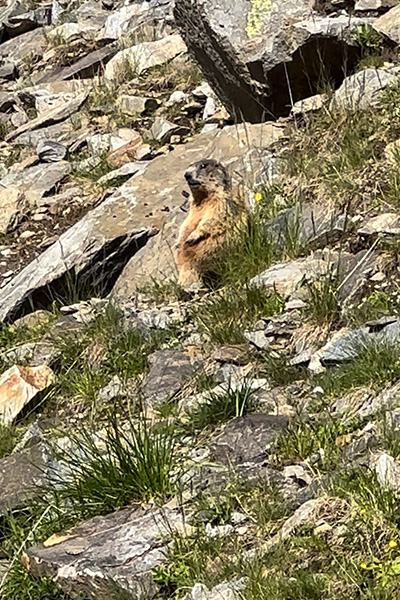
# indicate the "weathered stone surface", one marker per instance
pixel 241 148
pixel 162 130
pixel 122 174
pixel 260 58
pixel 315 225
pixel 52 116
pixel 385 223
pixel 363 89
pixel 18 386
pixel 231 590
pixel 389 24
pixel 144 20
pixel 36 181
pixel 12 206
pixel 246 439
pixel 309 105
pixel 386 400
pixel 146 55
pixel 85 67
pixel 286 277
pixel 345 345
pixel 136 105
pixel 169 370
pixel 374 5
pixel 31 44
pixel 387 470
pixel 20 473
pixel 48 151
pixel 113 552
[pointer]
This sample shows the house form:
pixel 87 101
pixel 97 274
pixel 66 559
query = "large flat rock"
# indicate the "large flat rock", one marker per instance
pixel 262 56
pixel 108 554
pixel 101 243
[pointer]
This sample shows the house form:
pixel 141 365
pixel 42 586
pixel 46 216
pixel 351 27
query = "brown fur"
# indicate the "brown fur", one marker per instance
pixel 212 215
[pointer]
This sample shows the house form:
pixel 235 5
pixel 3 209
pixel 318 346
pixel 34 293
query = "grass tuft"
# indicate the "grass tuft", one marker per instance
pixel 126 464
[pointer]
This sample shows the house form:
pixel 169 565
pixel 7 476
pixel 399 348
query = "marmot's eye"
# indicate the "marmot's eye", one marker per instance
pixel 203 166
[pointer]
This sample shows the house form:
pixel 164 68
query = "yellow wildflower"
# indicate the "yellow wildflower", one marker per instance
pixel 392 544
pixel 258 197
pixel 363 565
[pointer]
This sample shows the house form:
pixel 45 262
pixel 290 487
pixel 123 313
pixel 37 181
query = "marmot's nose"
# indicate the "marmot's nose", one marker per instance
pixel 189 175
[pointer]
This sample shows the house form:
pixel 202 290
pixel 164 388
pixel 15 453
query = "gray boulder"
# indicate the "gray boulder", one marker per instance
pixel 116 552
pixel 49 151
pixel 169 370
pixel 261 57
pixel 389 24
pixel 363 89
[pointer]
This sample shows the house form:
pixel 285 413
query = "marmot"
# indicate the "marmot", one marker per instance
pixel 214 211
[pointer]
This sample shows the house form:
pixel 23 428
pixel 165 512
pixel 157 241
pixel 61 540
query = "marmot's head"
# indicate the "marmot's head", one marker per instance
pixel 207 177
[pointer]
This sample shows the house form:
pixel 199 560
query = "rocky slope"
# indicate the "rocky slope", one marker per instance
pixel 243 442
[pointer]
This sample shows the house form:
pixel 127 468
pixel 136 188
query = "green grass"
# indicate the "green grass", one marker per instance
pixel 306 437
pixel 376 364
pixel 372 307
pixel 323 304
pixel 225 314
pixel 277 369
pixel 11 336
pixel 331 156
pixel 9 436
pixel 132 463
pixel 220 407
pixel 124 352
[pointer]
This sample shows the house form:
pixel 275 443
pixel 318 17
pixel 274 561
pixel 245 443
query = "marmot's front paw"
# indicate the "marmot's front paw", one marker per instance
pixel 195 237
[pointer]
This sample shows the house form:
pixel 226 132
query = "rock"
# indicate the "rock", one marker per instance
pixel 386 400
pixel 35 319
pixel 253 55
pixel 136 19
pixel 21 474
pixel 285 278
pixel 310 105
pixel 316 225
pixel 52 116
pixel 100 143
pixel 118 551
pixel 298 473
pixel 62 132
pixel 363 89
pixel 162 130
pixel 116 388
pixel 389 24
pixel 105 239
pixel 18 386
pixel 13 205
pixel 8 71
pixel 246 439
pixel 136 105
pixel 154 318
pixel 385 223
pixel 7 101
pixel 48 151
pixel 169 371
pixel 31 44
pixel 37 181
pixel 70 32
pixel 346 344
pixel 231 590
pixel 86 67
pixel 177 97
pixel 122 174
pixel 387 470
pixel 374 5
pixel 145 56
pixel 307 514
